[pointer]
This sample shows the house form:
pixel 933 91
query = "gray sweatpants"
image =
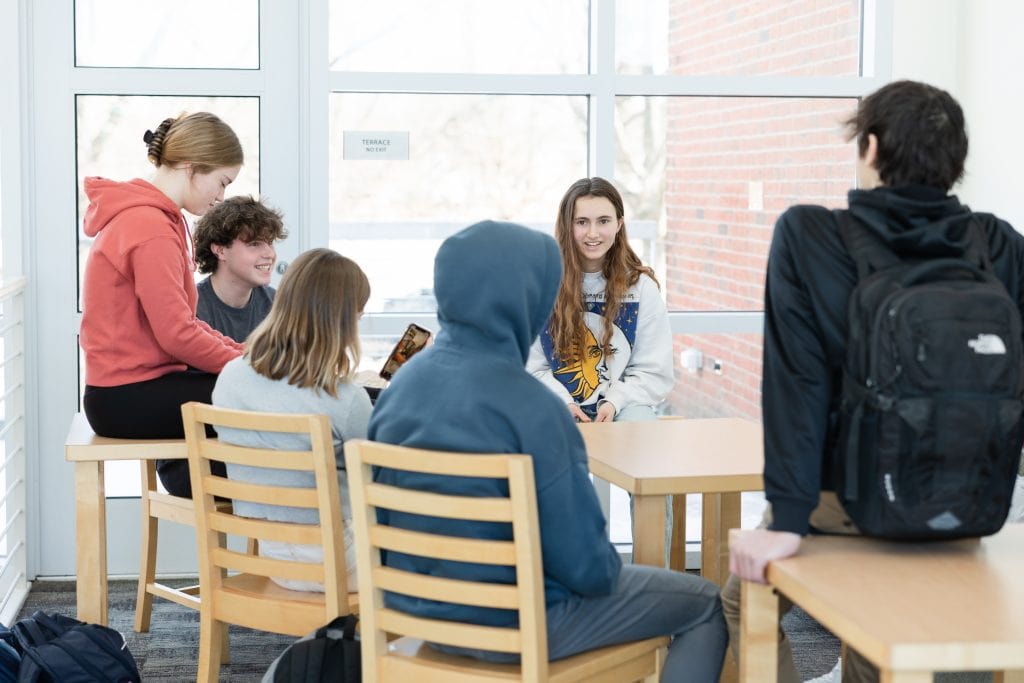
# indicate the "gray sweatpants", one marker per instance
pixel 645 603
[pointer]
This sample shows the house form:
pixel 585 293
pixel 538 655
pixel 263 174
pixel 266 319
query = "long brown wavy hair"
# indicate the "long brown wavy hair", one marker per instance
pixel 622 268
pixel 311 335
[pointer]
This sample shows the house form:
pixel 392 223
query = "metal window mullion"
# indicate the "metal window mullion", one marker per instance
pixel 460 83
pixel 602 98
pixel 190 82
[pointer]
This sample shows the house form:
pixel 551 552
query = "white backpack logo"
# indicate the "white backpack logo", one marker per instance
pixel 988 345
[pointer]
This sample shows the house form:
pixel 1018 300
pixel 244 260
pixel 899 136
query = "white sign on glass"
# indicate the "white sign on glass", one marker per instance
pixel 376 144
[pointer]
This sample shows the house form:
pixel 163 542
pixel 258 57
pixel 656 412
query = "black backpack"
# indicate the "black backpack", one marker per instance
pixel 59 649
pixel 331 653
pixel 930 416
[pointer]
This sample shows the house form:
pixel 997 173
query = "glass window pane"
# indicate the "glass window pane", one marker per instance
pixel 208 34
pixel 733 38
pixel 459 36
pixel 714 173
pixel 109 136
pixel 470 157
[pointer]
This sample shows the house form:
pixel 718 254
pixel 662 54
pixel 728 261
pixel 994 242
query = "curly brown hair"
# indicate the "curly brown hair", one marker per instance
pixel 234 218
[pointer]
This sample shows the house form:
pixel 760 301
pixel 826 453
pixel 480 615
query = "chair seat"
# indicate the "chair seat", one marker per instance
pixel 254 586
pixel 625 662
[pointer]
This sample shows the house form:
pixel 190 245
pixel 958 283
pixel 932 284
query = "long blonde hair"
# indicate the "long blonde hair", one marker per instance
pixel 622 269
pixel 311 336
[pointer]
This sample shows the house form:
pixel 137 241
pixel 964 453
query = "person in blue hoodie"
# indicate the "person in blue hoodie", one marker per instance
pixel 495 285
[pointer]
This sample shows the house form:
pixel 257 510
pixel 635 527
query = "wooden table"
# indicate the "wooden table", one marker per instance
pixel 910 608
pixel 719 458
pixel 88 452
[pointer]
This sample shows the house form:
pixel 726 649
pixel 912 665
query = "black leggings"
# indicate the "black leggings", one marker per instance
pixel 151 410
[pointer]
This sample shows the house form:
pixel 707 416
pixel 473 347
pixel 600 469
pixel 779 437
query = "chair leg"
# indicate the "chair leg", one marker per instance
pixel 212 634
pixel 147 561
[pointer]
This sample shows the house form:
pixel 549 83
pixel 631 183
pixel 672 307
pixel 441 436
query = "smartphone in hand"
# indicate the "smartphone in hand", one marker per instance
pixel 413 339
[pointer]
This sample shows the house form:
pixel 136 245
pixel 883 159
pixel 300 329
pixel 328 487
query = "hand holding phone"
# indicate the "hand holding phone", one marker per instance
pixel 412 341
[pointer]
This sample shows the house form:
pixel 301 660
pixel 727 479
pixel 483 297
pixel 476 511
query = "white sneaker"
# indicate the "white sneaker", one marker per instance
pixel 833 676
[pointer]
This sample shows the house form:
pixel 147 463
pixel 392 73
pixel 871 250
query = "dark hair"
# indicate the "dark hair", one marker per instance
pixel 234 218
pixel 201 139
pixel 921 134
pixel 621 269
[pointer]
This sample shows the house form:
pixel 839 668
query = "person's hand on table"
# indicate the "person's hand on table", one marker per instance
pixel 577 413
pixel 751 550
pixel 605 412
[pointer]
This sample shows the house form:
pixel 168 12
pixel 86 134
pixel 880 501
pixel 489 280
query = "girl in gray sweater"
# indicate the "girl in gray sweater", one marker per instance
pixel 301 360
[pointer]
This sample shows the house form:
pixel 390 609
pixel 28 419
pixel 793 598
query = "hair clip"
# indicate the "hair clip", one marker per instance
pixel 148 136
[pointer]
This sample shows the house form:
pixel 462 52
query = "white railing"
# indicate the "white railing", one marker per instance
pixel 13 557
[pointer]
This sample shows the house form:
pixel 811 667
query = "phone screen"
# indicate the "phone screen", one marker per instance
pixel 413 339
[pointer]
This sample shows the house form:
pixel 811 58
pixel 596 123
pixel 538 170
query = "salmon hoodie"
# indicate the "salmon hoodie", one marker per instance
pixel 139 294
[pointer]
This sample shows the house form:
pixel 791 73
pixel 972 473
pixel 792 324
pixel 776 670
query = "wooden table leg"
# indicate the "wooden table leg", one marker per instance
pixel 1015 676
pixel 759 633
pixel 721 512
pixel 649 530
pixel 677 551
pixel 91 542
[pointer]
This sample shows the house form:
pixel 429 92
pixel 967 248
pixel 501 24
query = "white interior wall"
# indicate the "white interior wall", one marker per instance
pixel 971 48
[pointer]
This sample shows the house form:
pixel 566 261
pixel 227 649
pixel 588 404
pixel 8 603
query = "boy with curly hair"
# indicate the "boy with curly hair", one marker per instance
pixel 234 243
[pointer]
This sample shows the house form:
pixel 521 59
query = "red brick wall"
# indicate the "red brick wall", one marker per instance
pixel 716 243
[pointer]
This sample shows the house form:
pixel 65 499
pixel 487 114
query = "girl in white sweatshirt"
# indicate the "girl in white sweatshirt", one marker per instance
pixel 607 348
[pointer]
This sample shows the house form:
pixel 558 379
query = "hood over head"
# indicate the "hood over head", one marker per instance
pixel 495 285
pixel 914 219
pixel 109 198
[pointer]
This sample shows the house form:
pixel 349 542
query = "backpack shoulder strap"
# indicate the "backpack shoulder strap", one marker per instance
pixel 976 251
pixel 867 250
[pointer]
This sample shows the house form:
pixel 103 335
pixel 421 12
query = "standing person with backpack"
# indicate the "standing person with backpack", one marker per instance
pixel 833 393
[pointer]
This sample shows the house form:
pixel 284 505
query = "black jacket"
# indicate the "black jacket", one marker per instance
pixel 810 276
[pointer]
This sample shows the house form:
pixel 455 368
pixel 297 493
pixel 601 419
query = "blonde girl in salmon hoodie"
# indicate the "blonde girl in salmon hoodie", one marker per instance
pixel 146 353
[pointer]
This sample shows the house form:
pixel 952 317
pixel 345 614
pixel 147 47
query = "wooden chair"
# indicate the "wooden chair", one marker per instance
pixel 236 587
pixel 157 505
pixel 407 659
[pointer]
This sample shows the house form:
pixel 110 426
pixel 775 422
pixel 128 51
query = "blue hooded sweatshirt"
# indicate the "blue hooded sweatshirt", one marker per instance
pixel 495 285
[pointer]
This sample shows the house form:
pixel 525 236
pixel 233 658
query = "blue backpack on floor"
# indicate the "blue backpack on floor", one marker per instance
pixel 55 648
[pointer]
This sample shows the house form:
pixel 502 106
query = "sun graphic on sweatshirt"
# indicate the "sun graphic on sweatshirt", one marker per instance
pixel 585 369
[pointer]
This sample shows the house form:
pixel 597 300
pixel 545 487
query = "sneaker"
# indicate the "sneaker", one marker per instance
pixel 833 676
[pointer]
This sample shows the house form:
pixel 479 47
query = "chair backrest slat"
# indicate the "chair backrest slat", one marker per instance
pixel 258 457
pixel 450 632
pixel 523 553
pixel 439 505
pixel 262 493
pixel 263 566
pixel 454 548
pixel 429 587
pixel 250 527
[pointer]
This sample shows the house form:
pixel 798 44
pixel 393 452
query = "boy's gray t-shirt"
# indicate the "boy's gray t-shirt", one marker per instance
pixel 236 323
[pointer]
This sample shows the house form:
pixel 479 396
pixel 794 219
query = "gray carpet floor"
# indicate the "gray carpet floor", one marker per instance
pixel 170 650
